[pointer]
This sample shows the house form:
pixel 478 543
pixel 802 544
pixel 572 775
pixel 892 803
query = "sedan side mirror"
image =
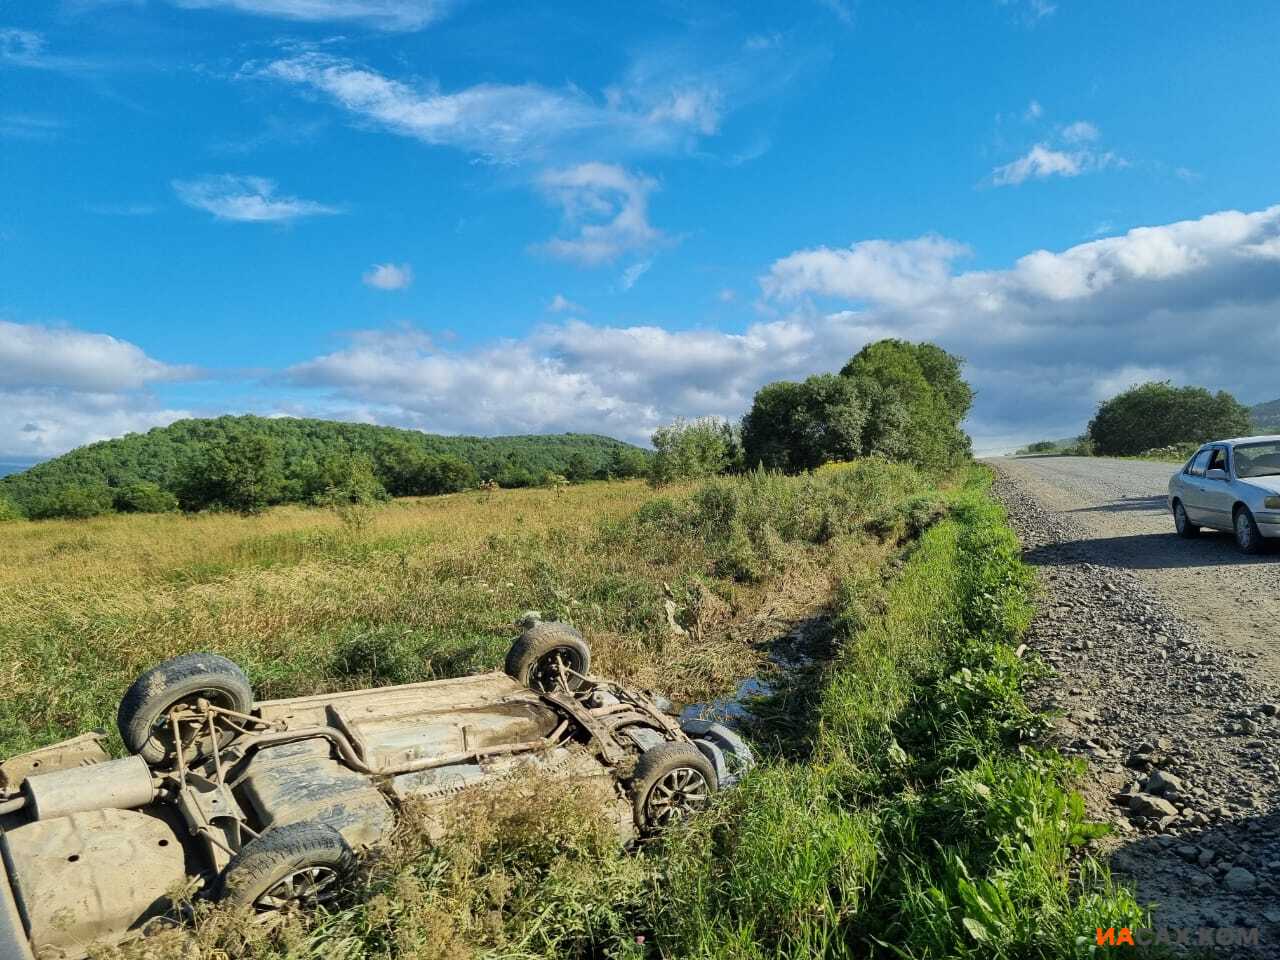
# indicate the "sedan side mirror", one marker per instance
pixel 1217 474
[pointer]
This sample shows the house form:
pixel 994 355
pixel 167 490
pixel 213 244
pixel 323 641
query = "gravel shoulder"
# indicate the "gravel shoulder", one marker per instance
pixel 1165 654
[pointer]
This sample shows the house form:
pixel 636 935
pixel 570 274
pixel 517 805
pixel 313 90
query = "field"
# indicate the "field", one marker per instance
pixel 899 808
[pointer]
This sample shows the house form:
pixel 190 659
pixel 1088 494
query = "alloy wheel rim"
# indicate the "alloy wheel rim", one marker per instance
pixel 679 793
pixel 305 887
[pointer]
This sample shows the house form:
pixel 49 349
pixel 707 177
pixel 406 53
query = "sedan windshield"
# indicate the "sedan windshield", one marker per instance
pixel 1258 459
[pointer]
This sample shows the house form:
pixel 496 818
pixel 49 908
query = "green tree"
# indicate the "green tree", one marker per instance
pixel 1158 414
pixel 579 468
pixel 628 462
pixel 346 478
pixel 143 496
pixel 799 426
pixel 917 400
pixel 9 510
pixel 73 502
pixel 449 475
pixel 688 449
pixel 243 471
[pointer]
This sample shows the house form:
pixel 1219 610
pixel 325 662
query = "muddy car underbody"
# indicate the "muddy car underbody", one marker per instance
pixel 267 804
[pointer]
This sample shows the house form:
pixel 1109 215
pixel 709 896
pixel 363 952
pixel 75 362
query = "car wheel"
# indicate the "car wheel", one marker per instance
pixel 143 717
pixel 1248 536
pixel 671 782
pixel 297 865
pixel 548 657
pixel 1182 523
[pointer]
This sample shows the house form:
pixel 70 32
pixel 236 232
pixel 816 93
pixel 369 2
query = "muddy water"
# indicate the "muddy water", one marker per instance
pixel 799 647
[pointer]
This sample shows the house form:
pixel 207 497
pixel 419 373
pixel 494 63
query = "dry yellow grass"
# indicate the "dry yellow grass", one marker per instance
pixel 427 587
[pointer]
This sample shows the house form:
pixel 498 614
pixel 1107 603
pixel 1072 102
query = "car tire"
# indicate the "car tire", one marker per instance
pixel 1248 536
pixel 671 781
pixel 1182 523
pixel 183 679
pixel 299 864
pixel 533 658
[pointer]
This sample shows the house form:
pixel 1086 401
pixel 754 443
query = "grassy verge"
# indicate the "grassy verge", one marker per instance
pixel 920 824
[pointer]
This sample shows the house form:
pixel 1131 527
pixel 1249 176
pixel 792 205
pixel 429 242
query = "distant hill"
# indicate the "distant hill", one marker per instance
pixel 16 465
pixel 1266 417
pixel 164 456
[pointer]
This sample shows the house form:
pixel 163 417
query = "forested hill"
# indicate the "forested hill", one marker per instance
pixel 1266 417
pixel 305 455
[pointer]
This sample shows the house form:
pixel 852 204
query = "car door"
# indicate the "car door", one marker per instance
pixel 1193 487
pixel 1216 496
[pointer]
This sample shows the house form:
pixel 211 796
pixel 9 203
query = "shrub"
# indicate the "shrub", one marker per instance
pixel 73 502
pixel 1161 415
pixel 691 449
pixel 142 496
pixel 9 510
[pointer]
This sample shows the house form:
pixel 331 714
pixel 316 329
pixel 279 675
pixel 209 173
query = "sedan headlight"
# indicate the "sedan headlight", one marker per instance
pixel 1272 503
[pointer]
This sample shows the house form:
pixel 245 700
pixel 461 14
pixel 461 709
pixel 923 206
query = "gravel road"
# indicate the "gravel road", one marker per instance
pixel 1120 508
pixel 1165 658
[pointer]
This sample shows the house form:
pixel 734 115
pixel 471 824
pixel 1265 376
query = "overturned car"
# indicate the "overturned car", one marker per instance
pixel 266 805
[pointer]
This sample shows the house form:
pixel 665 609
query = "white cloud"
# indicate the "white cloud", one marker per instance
pixel 245 199
pixel 388 276
pixel 633 273
pixel 381 14
pixel 39 356
pixel 1082 131
pixel 29 49
pixel 606 209
pixel 562 304
pixel 726 295
pixel 1033 111
pixel 63 387
pixel 902 273
pixel 512 122
pixel 1042 162
pixel 1070 158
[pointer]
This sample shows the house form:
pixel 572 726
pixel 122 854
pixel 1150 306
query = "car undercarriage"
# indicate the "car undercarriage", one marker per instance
pixel 261 805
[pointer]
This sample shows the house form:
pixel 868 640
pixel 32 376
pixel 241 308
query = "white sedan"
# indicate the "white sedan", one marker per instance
pixel 1231 485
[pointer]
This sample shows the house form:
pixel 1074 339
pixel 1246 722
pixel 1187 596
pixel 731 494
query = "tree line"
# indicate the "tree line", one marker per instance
pixel 248 463
pixel 894 399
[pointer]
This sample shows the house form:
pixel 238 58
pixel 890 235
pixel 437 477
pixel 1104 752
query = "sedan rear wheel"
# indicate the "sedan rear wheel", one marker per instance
pixel 1248 536
pixel 1186 529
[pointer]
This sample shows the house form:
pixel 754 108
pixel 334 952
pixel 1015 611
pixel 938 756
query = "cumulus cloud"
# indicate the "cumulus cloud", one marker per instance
pixel 64 387
pixel 245 199
pixel 882 270
pixel 509 122
pixel 1070 158
pixel 606 208
pixel 380 14
pixel 388 276
pixel 1046 338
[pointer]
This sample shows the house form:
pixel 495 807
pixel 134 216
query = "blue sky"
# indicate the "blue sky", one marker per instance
pixel 479 217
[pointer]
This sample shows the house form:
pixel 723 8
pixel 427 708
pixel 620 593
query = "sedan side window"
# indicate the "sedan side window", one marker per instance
pixel 1199 463
pixel 1219 459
